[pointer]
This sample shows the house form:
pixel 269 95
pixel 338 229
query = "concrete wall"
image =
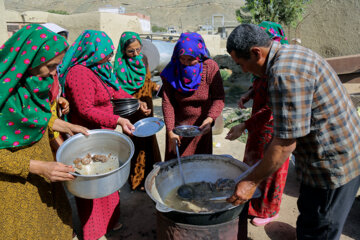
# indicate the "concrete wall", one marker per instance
pixel 331 28
pixel 112 24
pixel 76 23
pixel 115 24
pixel 214 44
pixel 12 16
pixel 3 28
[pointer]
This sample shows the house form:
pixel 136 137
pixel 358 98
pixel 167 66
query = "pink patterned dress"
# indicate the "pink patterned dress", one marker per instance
pixel 91 107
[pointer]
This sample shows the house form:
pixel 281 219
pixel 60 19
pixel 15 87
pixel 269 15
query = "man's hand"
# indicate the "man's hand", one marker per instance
pixel 244 191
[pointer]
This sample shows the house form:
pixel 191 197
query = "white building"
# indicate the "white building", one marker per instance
pixel 111 9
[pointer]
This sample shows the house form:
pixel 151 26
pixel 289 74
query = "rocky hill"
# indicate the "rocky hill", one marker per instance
pixel 182 14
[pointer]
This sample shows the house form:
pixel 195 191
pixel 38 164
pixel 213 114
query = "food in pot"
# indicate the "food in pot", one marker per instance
pixel 96 164
pixel 78 165
pixel 203 192
pixel 99 158
pixel 77 160
pixel 224 184
pixel 86 160
pixel 190 131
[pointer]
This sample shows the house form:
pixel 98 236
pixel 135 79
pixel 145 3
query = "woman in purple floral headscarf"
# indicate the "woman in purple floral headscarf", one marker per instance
pixel 193 94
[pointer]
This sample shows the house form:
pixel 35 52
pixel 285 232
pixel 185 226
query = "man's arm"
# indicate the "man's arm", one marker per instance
pixel 275 155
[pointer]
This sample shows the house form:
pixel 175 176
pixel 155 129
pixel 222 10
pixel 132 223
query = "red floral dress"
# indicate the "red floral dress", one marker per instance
pixel 260 128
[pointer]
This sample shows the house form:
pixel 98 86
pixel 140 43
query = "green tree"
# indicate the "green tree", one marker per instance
pixel 287 12
pixel 62 12
pixel 155 29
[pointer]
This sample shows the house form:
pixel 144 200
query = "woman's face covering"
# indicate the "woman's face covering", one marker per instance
pixel 133 49
pixel 48 68
pixel 188 60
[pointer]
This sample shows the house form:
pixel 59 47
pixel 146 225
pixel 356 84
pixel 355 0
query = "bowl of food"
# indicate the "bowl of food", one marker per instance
pixel 101 161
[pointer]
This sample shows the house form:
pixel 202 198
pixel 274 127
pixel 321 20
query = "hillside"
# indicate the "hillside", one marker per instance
pixel 185 14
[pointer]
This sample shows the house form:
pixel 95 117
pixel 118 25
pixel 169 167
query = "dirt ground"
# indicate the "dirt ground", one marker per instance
pixel 138 213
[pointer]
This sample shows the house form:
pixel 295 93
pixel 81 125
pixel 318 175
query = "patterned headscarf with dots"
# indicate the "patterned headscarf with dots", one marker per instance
pixel 24 99
pixel 130 71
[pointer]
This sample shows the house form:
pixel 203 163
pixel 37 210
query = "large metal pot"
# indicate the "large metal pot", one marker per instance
pixel 99 141
pixel 202 167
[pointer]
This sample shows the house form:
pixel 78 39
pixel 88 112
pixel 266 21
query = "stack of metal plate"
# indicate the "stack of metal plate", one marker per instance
pixel 125 106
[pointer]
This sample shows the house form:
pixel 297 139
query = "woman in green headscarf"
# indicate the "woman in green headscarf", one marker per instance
pixel 132 71
pixel 32 205
pixel 89 84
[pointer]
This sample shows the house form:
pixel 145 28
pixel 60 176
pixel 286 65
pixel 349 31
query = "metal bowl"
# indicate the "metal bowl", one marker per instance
pixel 201 167
pixel 99 141
pixel 187 130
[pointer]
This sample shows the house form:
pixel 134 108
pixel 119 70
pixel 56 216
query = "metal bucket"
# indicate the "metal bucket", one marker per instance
pixel 99 141
pixel 202 167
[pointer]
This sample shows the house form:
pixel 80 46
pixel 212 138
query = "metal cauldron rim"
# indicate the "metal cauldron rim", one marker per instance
pixel 173 162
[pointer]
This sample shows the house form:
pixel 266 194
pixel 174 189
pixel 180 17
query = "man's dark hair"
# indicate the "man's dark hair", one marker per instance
pixel 244 37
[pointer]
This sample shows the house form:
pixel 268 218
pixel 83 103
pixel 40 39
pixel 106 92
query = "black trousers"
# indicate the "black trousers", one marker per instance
pixel 323 211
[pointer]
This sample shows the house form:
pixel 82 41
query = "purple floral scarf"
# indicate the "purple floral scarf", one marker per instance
pixel 186 78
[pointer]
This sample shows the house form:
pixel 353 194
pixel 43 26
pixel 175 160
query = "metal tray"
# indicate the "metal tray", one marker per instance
pixel 148 126
pixel 187 131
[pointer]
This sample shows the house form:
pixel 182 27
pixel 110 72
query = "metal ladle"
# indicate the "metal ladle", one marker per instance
pixel 238 179
pixel 185 191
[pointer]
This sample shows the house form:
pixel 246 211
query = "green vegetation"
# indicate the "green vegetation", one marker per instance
pixel 287 12
pixel 237 117
pixel 155 28
pixel 62 12
pixel 225 74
